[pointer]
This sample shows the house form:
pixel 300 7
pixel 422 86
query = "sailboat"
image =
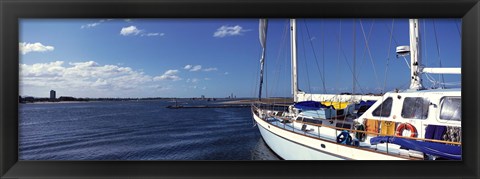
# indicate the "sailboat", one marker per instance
pixel 411 124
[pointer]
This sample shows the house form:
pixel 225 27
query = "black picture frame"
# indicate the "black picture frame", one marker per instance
pixel 12 10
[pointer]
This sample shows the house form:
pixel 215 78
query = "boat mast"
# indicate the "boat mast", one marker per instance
pixel 293 45
pixel 415 57
pixel 417 68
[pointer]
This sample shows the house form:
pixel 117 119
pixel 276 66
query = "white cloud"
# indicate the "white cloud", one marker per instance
pixel 153 34
pixel 210 69
pixel 168 75
pixel 95 24
pixel 187 67
pixel 90 25
pixel 193 68
pixel 226 73
pixel 102 84
pixel 34 47
pixel 82 76
pixel 84 64
pixel 133 30
pixel 52 69
pixel 193 80
pixel 196 68
pixel 229 31
pixel 130 30
pixel 92 79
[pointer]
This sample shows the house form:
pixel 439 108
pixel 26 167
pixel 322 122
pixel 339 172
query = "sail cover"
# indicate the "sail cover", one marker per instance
pixel 262 32
pixel 309 105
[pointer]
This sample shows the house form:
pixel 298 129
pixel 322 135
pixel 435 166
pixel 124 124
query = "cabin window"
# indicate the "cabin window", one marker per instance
pixel 384 109
pixel 315 121
pixel 451 109
pixel 415 108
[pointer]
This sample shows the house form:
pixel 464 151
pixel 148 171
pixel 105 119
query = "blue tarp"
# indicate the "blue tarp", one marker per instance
pixel 451 152
pixel 309 105
pixel 367 103
pixel 435 132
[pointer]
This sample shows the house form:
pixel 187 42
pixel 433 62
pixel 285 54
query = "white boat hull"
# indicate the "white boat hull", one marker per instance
pixel 290 150
pixel 294 146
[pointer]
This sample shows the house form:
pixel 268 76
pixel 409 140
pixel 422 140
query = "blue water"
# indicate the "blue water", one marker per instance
pixel 137 130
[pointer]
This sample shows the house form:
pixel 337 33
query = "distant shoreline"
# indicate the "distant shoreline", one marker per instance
pixel 56 102
pixel 229 101
pixel 266 100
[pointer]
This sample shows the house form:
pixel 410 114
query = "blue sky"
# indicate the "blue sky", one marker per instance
pixel 217 57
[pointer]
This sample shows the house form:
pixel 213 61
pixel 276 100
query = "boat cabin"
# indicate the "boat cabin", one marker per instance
pixel 430 114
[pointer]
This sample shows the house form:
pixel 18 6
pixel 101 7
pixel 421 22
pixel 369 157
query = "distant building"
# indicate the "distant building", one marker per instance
pixel 53 95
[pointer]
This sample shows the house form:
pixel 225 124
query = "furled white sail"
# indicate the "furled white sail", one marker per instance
pixel 262 32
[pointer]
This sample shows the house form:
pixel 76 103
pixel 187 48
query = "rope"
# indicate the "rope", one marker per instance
pixel 393 37
pixel 349 67
pixel 338 52
pixel 354 56
pixel 369 53
pixel 406 61
pixel 281 49
pixel 435 82
pixel 256 83
pixel 458 29
pixel 425 44
pixel 432 80
pixel 388 58
pixel 305 61
pixel 277 61
pixel 396 44
pixel 365 49
pixel 438 49
pixel 323 56
pixel 322 77
pixel 386 69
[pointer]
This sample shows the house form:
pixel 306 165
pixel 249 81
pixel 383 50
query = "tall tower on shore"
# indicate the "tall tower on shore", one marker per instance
pixel 52 95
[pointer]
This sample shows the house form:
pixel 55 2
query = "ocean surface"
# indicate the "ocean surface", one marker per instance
pixel 138 130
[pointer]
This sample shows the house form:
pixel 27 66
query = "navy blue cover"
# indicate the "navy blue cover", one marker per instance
pixel 309 105
pixel 367 103
pixel 451 152
pixel 435 132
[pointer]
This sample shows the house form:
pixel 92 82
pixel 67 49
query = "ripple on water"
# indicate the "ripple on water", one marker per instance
pixel 143 130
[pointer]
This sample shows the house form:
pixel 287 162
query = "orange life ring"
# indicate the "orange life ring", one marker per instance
pixel 406 126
